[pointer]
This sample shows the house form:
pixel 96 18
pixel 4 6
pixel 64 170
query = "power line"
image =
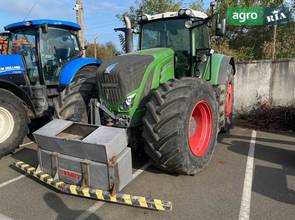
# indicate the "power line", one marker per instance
pixel 31 9
pixel 99 26
pixel 101 34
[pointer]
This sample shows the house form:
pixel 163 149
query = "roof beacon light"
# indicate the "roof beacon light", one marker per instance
pixel 213 3
pixel 144 17
pixel 28 23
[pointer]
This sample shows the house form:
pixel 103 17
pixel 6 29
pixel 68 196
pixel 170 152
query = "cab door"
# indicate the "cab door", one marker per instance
pixel 24 43
pixel 201 48
pixel 57 48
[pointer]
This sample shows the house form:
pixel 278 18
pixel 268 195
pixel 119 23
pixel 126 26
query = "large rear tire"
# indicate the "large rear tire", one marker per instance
pixel 13 122
pixel 73 102
pixel 181 126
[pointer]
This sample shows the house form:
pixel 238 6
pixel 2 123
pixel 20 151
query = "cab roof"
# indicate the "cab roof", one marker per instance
pixel 180 13
pixel 25 24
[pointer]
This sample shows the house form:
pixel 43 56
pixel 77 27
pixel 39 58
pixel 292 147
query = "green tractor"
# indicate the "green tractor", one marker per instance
pixel 174 95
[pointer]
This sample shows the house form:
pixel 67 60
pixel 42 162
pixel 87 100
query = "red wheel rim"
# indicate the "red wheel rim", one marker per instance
pixel 229 101
pixel 200 127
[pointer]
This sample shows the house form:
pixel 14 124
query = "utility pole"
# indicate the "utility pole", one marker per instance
pixel 274 42
pixel 95 45
pixel 274 45
pixel 80 20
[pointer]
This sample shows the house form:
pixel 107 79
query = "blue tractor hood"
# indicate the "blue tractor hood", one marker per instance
pixel 11 64
pixel 72 68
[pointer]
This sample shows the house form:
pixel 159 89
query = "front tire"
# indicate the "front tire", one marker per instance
pixel 73 102
pixel 13 122
pixel 180 126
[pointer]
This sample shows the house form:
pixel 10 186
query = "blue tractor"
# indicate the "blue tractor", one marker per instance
pixel 43 74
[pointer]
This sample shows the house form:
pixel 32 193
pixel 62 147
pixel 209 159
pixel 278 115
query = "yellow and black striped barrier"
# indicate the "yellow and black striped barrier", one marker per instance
pixel 125 199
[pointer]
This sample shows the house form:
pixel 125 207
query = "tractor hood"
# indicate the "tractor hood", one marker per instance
pixel 11 64
pixel 121 76
pixel 125 74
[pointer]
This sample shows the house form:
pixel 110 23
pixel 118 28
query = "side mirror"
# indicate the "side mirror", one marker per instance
pixel 136 29
pixel 220 26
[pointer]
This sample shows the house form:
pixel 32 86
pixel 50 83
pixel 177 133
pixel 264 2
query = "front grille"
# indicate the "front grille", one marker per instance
pixel 121 76
pixel 109 88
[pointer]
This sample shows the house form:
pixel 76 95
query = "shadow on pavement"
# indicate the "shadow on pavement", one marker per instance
pixel 266 139
pixel 64 212
pixel 269 181
pixel 272 183
pixel 27 155
pixel 267 153
pixel 36 124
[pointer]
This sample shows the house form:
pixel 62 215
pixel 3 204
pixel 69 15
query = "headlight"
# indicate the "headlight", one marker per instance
pixel 127 104
pixel 181 12
pixel 143 18
pixel 188 12
pixel 188 24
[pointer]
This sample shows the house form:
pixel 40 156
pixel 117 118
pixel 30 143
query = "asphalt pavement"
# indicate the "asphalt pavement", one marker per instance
pixel 267 191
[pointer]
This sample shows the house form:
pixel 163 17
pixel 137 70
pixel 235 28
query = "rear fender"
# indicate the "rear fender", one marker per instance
pixel 71 69
pixel 219 64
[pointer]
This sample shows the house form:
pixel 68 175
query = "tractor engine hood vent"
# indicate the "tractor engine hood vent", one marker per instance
pixel 120 76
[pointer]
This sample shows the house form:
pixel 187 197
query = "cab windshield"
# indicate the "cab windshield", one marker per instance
pixel 57 47
pixel 169 33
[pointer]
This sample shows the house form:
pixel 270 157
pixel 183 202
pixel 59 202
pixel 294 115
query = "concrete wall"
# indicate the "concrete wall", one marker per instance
pixel 264 81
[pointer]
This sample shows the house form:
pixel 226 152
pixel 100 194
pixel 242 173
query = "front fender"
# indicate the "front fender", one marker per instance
pixel 70 70
pixel 219 65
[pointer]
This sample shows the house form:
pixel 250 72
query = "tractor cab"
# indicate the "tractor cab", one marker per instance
pixel 185 31
pixel 46 46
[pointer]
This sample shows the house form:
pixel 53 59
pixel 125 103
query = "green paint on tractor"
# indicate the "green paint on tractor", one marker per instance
pixel 211 73
pixel 160 70
pixel 172 94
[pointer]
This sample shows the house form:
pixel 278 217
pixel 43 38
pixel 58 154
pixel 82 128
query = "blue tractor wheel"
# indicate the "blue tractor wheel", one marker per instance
pixel 13 122
pixel 73 102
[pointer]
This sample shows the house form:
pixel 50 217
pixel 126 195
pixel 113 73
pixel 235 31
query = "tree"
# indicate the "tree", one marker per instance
pixel 103 52
pixel 249 43
pixel 197 5
pixel 150 7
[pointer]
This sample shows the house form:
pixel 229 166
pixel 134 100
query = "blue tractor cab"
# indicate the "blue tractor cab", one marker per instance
pixel 47 46
pixel 44 59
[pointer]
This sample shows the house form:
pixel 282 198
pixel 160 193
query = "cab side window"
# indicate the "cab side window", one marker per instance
pixel 202 37
pixel 24 43
pixel 202 42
